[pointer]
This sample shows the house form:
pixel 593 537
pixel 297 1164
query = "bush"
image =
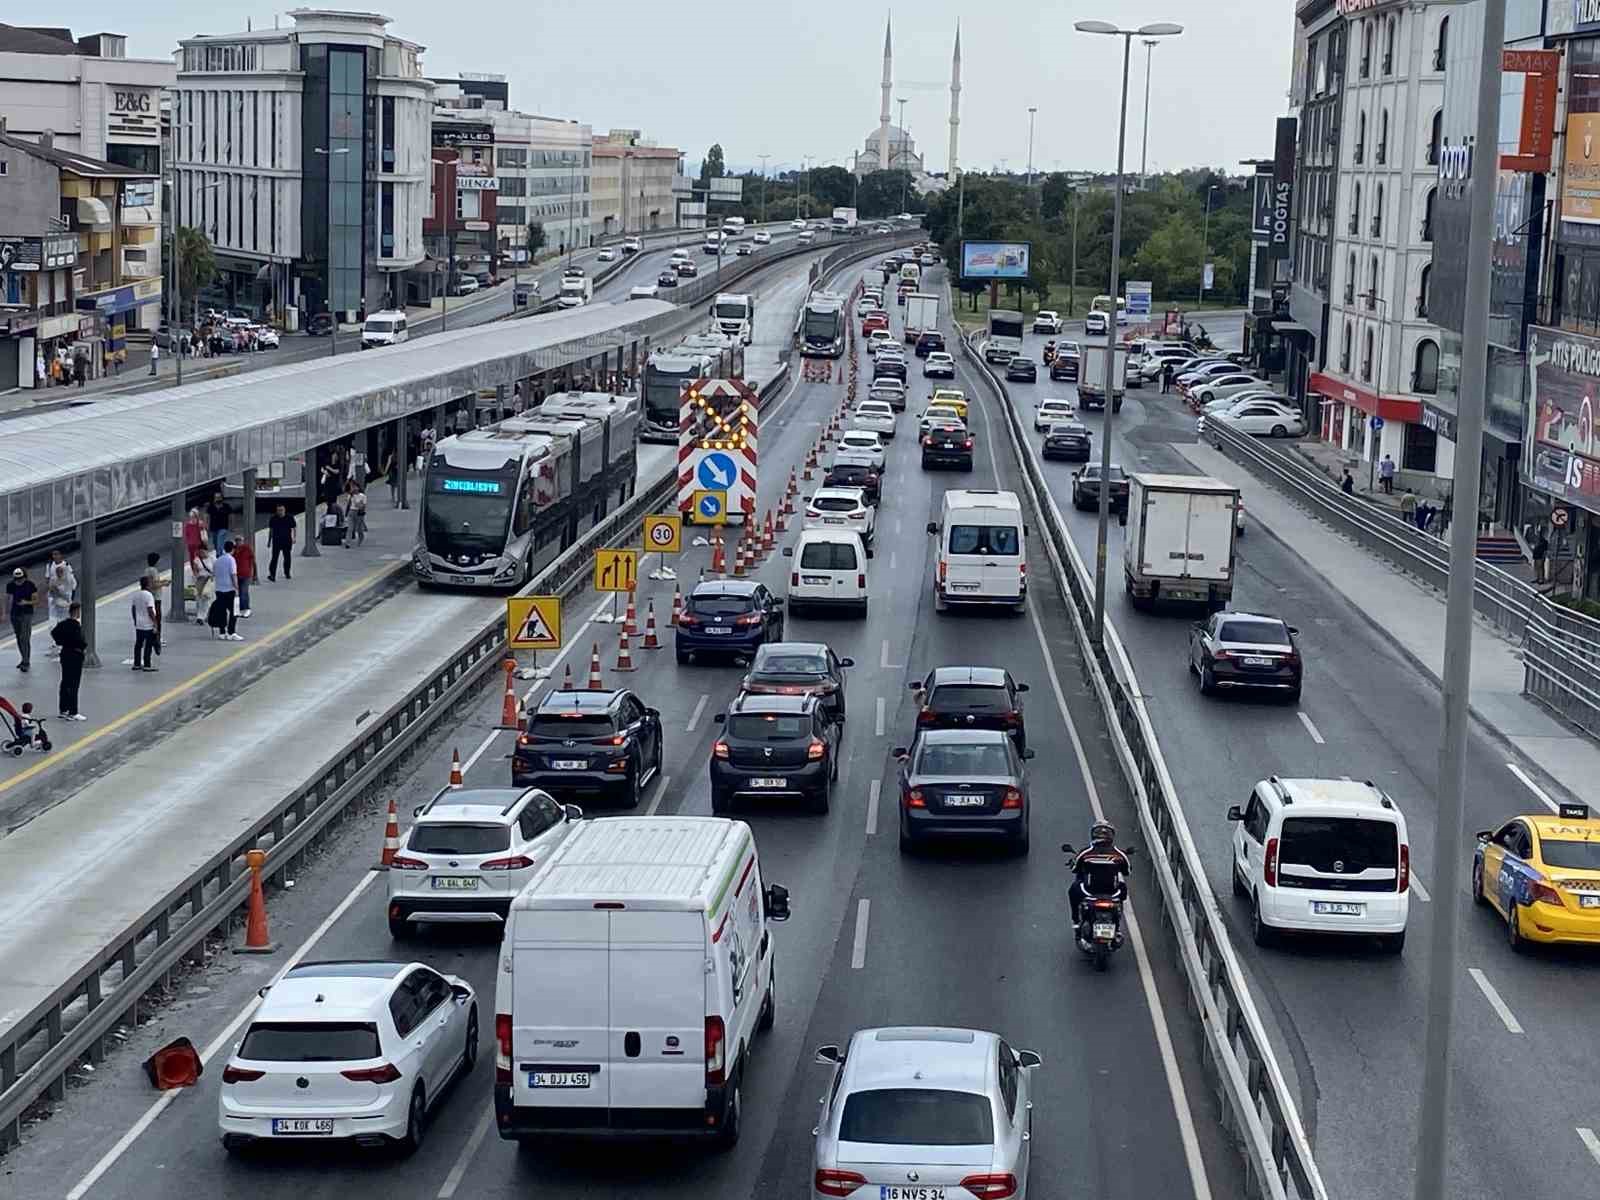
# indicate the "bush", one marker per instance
pixel 1588 608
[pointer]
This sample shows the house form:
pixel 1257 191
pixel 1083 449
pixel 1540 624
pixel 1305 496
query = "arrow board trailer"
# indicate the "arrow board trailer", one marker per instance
pixel 717 447
pixel 499 504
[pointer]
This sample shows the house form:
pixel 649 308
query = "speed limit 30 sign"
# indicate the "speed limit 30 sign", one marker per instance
pixel 663 533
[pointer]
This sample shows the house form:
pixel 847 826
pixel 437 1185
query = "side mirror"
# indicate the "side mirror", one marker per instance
pixel 460 991
pixel 901 752
pixel 1068 848
pixel 1235 813
pixel 653 712
pixel 1484 835
pixel 915 685
pixel 788 551
pixel 574 813
pixel 720 718
pixel 933 527
pixel 829 1054
pixel 418 810
pixel 1293 629
pixel 1028 1059
pixel 777 902
pixel 847 662
pixel 1027 754
pixel 1075 474
pixel 869 551
pixel 1022 687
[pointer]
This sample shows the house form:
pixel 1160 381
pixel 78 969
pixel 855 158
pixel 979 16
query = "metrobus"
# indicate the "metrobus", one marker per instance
pixel 822 328
pixel 667 374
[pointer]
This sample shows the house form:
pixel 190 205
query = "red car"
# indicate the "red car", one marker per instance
pixel 874 321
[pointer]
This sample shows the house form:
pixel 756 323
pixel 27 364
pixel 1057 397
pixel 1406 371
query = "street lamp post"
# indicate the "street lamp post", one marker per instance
pixel 1205 248
pixel 450 264
pixel 1373 299
pixel 1144 146
pixel 1156 30
pixel 572 196
pixel 763 158
pixel 174 337
pixel 1032 109
pixel 904 174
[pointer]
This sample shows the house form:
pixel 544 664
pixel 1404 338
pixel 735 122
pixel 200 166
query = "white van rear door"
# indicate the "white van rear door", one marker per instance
pixel 657 987
pixel 560 999
pixel 1210 535
pixel 963 564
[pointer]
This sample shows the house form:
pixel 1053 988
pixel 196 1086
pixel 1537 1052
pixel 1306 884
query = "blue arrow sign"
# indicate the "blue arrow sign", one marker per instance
pixel 710 506
pixel 717 472
pixel 1377 422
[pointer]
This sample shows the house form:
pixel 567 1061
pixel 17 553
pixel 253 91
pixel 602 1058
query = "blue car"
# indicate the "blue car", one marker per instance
pixel 728 617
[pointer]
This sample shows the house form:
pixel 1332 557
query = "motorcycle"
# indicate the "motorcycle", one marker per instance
pixel 1100 929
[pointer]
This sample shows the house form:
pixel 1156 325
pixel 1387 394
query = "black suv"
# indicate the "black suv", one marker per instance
pixel 855 475
pixel 929 341
pixel 1065 364
pixel 775 746
pixel 799 669
pixel 1022 370
pixel 727 617
pixel 972 698
pixel 1246 650
pixel 1086 488
pixel 947 445
pixel 589 743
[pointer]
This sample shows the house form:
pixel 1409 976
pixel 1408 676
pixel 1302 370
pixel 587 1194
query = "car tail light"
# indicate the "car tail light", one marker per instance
pixel 233 1074
pixel 969 443
pixel 829 1182
pixel 1013 717
pixel 794 578
pixel 915 799
pixel 401 863
pixel 942 566
pixel 927 439
pixel 515 863
pixel 1543 893
pixel 524 740
pixel 719 749
pixel 716 1052
pixel 1405 868
pixel 1013 799
pixel 748 619
pixel 1223 655
pixel 687 620
pixel 1269 863
pixel 991 1187
pixel 386 1073
pixel 816 749
pixel 502 1048
pixel 925 716
pixel 861 579
pixel 813 512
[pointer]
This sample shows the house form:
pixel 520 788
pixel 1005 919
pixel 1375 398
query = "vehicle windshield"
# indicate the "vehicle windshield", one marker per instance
pixel 849 475
pixel 985 539
pixel 917 1117
pixel 828 556
pixel 1006 327
pixel 768 727
pixel 719 605
pixel 429 838
pixel 1564 854
pixel 663 392
pixel 310 1041
pixel 732 311
pixel 570 725
pixel 822 324
pixel 380 325
pixel 1092 472
pixel 468 510
pixel 982 758
pixel 1355 843
pixel 1257 632
pixel 970 697
pixel 835 504
pixel 790 662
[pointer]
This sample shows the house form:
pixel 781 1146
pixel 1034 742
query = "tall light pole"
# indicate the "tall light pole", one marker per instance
pixel 1431 1140
pixel 905 175
pixel 1144 148
pixel 1157 30
pixel 1205 248
pixel 174 336
pixel 450 265
pixel 763 158
pixel 1032 109
pixel 1376 301
pixel 572 197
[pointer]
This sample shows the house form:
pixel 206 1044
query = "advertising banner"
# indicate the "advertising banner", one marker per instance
pixel 1563 456
pixel 995 260
pixel 726 188
pixel 32 254
pixel 1137 293
pixel 1261 208
pixel 1279 239
pixel 1541 70
pixel 1580 175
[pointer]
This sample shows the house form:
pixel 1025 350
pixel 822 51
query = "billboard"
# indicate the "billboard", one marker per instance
pixel 1580 175
pixel 1541 71
pixel 727 188
pixel 1137 294
pixel 1261 208
pixel 1562 455
pixel 1279 239
pixel 50 253
pixel 996 260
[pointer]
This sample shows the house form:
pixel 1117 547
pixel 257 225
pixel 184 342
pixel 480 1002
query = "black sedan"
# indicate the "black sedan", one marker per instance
pixel 800 669
pixel 963 783
pixel 667 279
pixel 1245 650
pixel 947 445
pixel 1070 440
pixel 687 267
pixel 971 698
pixel 1086 488
pixel 1022 370
pixel 888 366
pixel 856 475
pixel 772 747
pixel 583 743
pixel 929 341
pixel 1065 363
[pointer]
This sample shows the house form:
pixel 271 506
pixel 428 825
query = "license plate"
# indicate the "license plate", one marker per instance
pixel 302 1126
pixel 570 764
pixel 716 630
pixel 833 520
pixel 963 801
pixel 900 1191
pixel 1335 908
pixel 462 579
pixel 815 580
pixel 1589 901
pixel 769 781
pixel 1104 929
pixel 558 1079
pixel 963 587
pixel 455 883
pixel 1251 661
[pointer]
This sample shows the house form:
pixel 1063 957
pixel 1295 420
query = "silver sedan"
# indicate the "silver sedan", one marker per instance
pixel 925 1113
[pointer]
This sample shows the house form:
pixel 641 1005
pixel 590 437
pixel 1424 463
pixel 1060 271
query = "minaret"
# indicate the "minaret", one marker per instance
pixel 955 104
pixel 888 88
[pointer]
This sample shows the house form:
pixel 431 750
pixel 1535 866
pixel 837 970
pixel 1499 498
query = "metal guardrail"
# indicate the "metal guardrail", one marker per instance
pixel 40 1051
pixel 1258 1109
pixel 1560 647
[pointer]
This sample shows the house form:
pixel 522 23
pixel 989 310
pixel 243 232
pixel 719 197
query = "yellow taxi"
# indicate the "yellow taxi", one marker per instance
pixel 1542 874
pixel 954 397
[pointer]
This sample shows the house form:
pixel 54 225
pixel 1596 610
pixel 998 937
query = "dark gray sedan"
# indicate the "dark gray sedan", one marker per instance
pixel 963 783
pixel 1070 440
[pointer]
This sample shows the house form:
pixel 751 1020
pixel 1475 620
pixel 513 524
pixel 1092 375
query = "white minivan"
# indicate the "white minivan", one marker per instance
pixel 830 570
pixel 982 556
pixel 386 328
pixel 635 973
pixel 1322 856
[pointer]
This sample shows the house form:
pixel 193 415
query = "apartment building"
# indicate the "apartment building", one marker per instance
pixel 633 183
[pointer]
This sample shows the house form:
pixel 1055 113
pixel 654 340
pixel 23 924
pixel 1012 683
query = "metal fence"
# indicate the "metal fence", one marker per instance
pixel 1560 647
pixel 1257 1108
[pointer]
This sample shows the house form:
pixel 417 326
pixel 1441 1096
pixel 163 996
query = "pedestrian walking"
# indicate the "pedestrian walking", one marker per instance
pixel 218 513
pixel 60 585
pixel 1347 485
pixel 280 541
pixel 155 359
pixel 80 369
pixel 358 515
pixel 224 614
pixel 244 559
pixel 342 507
pixel 1386 475
pixel 146 625
pixel 391 472
pixel 22 594
pixel 1541 557
pixel 152 568
pixel 1408 507
pixel 1166 377
pixel 194 540
pixel 73 648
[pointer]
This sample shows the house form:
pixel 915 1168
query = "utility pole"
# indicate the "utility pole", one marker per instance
pixel 572 205
pixel 1072 282
pixel 763 158
pixel 905 174
pixel 1205 248
pixel 1144 149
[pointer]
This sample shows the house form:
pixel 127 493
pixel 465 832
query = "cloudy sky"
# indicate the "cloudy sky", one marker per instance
pixel 795 79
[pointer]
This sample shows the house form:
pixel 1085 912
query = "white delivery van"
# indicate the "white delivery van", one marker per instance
pixel 829 571
pixel 386 328
pixel 982 557
pixel 635 973
pixel 1180 539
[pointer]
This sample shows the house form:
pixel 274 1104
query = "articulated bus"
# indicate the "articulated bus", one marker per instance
pixel 822 327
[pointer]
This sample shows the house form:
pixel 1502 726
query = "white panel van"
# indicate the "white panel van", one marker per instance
pixel 982 555
pixel 635 972
pixel 386 328
pixel 830 569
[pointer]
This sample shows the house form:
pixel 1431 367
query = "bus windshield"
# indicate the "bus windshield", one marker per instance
pixel 468 510
pixel 663 393
pixel 823 324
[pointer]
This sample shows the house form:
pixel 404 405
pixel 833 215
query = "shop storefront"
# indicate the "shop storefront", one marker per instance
pixel 1561 457
pixel 105 318
pixel 1367 425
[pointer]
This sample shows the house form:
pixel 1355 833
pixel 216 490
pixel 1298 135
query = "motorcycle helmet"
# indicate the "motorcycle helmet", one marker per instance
pixel 1103 833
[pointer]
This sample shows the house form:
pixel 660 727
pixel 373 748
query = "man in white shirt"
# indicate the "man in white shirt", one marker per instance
pixel 225 573
pixel 146 625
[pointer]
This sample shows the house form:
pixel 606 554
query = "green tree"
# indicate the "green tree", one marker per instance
pixel 832 187
pixel 880 193
pixel 197 265
pixel 536 238
pixel 1170 258
pixel 712 165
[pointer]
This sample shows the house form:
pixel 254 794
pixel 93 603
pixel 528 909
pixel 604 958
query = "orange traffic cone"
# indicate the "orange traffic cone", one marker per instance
pixel 566 680
pixel 677 606
pixel 624 656
pixel 508 710
pixel 256 940
pixel 794 487
pixel 175 1065
pixel 738 559
pixel 651 642
pixel 783 517
pixel 718 559
pixel 811 461
pixel 596 684
pixel 841 372
pixel 630 619
pixel 766 535
pixel 455 768
pixel 391 836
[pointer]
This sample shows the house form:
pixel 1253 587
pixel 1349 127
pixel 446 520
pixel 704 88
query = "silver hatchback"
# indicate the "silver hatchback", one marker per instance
pixel 925 1113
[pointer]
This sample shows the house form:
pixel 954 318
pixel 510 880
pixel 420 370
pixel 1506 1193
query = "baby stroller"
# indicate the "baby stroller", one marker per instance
pixel 23 730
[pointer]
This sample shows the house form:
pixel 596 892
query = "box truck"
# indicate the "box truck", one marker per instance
pixel 1179 540
pixel 922 313
pixel 1094 380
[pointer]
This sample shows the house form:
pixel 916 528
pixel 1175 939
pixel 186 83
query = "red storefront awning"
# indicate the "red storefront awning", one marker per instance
pixel 1390 408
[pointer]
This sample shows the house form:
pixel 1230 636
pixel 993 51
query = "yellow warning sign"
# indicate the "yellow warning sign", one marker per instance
pixel 663 533
pixel 533 622
pixel 614 570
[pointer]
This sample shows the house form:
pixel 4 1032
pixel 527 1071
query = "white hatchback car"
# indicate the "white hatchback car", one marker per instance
pixel 939 414
pixel 876 415
pixel 864 443
pixel 761 237
pixel 842 508
pixel 878 339
pixel 607 255
pixel 470 851
pixel 1049 411
pixel 358 1051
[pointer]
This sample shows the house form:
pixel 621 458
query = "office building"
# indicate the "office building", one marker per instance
pixel 633 183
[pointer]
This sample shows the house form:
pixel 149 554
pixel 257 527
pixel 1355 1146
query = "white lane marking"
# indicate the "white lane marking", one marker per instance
pixel 661 790
pixel 880 726
pixel 892 557
pixel 482 746
pixel 858 952
pixel 459 1172
pixel 699 710
pixel 872 807
pixel 1590 1142
pixel 883 659
pixel 1501 1009
pixel 1420 889
pixel 1544 797
pixel 897 525
pixel 148 1117
pixel 575 639
pixel 1316 735
pixel 1158 1018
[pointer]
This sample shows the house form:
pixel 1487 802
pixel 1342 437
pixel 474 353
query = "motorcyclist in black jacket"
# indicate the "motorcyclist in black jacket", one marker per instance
pixel 1099 869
